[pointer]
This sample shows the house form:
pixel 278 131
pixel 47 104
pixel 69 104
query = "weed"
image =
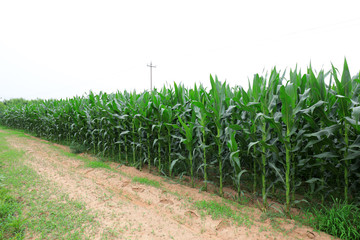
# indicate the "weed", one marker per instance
pixel 12 224
pixel 341 220
pixel 217 210
pixel 146 181
pixel 97 164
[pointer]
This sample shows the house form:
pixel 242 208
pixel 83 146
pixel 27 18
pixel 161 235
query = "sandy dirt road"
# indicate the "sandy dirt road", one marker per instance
pixel 138 211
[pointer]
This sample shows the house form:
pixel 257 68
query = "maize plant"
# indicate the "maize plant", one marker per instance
pixel 298 136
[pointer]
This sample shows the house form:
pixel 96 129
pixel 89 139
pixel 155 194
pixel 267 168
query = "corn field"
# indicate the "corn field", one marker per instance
pixel 295 137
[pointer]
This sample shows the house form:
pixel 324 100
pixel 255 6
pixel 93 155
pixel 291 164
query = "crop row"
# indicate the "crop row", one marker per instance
pixel 289 136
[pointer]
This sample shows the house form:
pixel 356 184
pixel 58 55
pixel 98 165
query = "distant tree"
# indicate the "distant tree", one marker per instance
pixel 36 101
pixel 2 107
pixel 15 101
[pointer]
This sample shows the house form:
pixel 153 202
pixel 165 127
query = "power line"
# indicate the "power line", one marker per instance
pixel 151 67
pixel 325 26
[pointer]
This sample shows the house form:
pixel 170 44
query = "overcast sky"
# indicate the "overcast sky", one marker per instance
pixel 58 49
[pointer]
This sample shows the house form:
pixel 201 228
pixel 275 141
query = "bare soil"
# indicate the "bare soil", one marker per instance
pixel 132 210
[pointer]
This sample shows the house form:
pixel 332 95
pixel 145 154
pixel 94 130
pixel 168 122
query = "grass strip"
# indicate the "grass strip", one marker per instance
pixel 12 224
pixel 97 164
pixel 49 213
pixel 146 181
pixel 217 210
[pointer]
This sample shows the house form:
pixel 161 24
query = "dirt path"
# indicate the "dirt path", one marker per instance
pixel 131 210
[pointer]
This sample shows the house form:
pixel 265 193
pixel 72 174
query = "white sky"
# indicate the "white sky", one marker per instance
pixel 58 49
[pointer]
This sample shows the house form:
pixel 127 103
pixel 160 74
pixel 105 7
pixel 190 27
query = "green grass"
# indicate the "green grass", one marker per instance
pixel 340 220
pixel 97 164
pixel 12 224
pixel 146 181
pixel 337 218
pixel 220 210
pixel 49 213
pixel 17 132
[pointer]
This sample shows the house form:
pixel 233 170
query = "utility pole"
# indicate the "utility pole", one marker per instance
pixel 151 66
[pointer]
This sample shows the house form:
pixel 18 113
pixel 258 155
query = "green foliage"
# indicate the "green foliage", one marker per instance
pixel 2 107
pixel 215 209
pixel 341 220
pixel 12 225
pixel 221 210
pixel 15 102
pixel 288 136
pixel 97 164
pixel 146 181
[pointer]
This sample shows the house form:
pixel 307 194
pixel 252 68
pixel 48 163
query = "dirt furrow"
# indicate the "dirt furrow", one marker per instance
pixel 134 210
pixel 119 209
